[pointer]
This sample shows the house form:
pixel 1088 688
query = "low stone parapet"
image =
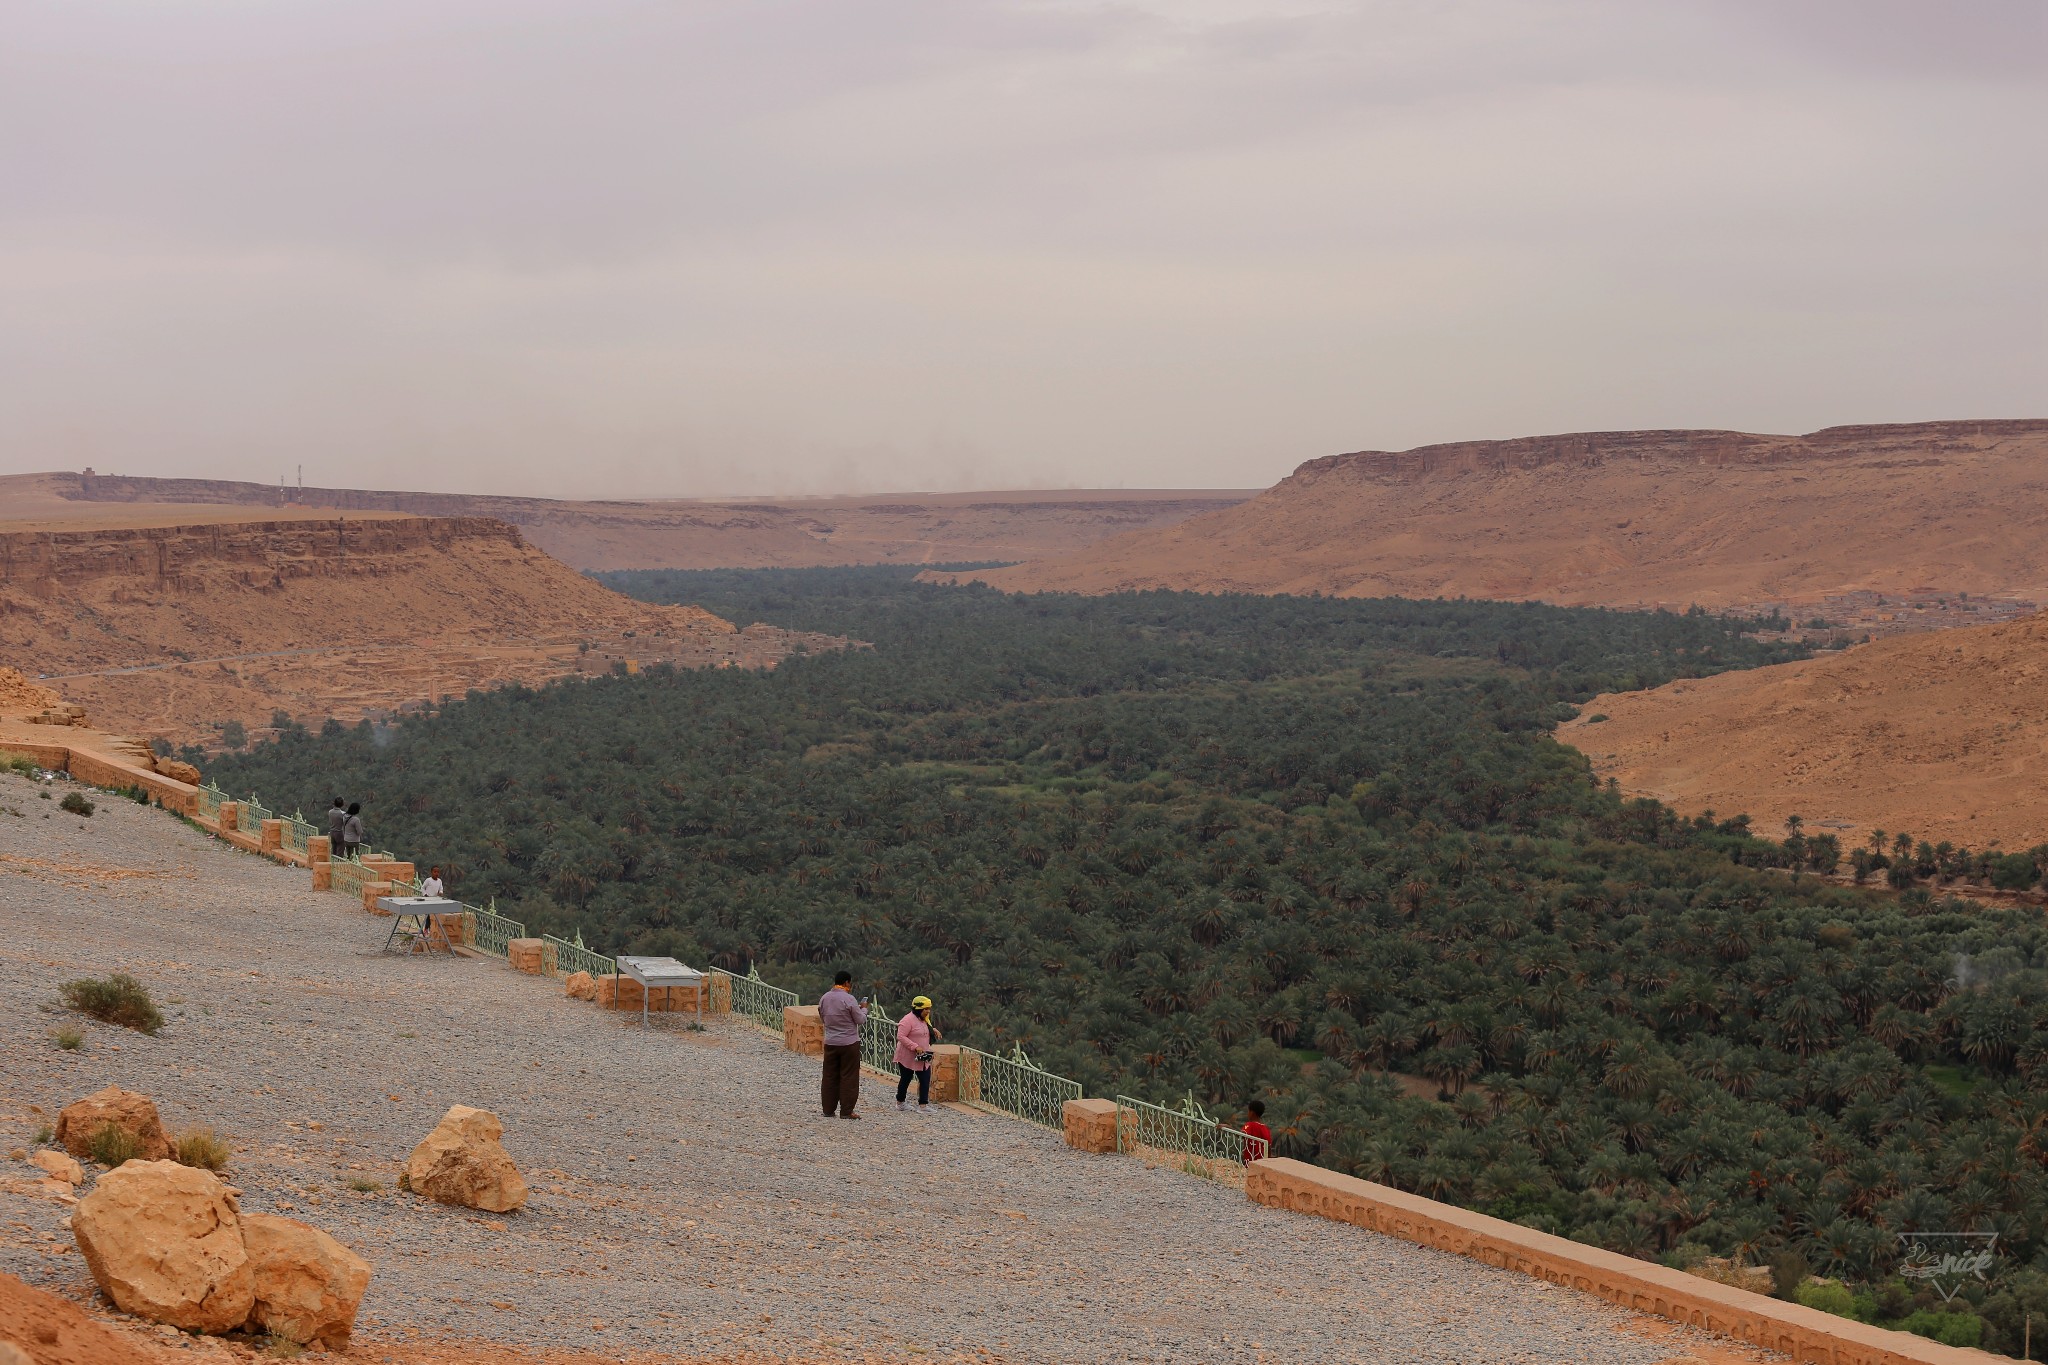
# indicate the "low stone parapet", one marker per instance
pixel 1800 1332
pixel 527 955
pixel 1089 1125
pixel 803 1032
pixel 374 892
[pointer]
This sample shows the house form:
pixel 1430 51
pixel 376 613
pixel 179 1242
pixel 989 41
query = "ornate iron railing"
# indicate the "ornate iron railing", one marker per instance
pixel 878 1040
pixel 1185 1137
pixel 348 876
pixel 209 799
pixel 292 839
pixel 1015 1086
pixel 756 999
pixel 561 957
pixel 490 931
pixel 253 814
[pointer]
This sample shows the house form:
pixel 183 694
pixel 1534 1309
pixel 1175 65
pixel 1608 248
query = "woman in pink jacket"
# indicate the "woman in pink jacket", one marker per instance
pixel 914 1035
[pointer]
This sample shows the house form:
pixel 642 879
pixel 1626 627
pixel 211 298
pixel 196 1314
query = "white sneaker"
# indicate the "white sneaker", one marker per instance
pixel 924 1109
pixel 901 1106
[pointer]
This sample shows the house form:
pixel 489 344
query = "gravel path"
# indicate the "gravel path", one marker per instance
pixel 686 1196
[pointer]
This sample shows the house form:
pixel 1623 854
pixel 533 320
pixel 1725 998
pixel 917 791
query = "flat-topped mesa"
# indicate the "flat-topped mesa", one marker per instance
pixel 1714 518
pixel 254 554
pixel 1701 447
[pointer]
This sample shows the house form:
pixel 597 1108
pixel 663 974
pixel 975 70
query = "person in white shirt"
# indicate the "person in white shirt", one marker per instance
pixel 432 885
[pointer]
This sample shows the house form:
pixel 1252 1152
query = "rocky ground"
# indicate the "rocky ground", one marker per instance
pixel 688 1200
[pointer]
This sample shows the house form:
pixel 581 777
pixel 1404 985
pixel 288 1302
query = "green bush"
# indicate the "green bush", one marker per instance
pixel 117 999
pixel 68 1037
pixel 2014 872
pixel 1828 1297
pixel 1950 1329
pixel 76 803
pixel 111 1144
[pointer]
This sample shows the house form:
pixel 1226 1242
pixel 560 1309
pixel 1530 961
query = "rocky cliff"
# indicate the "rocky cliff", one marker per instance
pixel 173 630
pixel 1625 518
pixel 693 534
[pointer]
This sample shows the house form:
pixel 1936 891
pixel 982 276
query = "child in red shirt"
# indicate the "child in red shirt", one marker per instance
pixel 1260 1143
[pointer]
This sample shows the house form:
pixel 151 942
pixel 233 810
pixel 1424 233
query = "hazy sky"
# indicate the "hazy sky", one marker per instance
pixel 606 248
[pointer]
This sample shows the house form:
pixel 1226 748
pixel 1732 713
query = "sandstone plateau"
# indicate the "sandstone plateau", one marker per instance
pixel 1942 736
pixel 893 528
pixel 1724 519
pixel 167 630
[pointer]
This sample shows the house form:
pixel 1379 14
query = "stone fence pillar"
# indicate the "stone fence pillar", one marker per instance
pixel 945 1073
pixel 525 955
pixel 272 836
pixel 803 1031
pixel 229 813
pixel 1089 1125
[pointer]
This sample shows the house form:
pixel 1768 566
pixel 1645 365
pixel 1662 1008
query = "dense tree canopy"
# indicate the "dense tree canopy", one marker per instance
pixel 1305 849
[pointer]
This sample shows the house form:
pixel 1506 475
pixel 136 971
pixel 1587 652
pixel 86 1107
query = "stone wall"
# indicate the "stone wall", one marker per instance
pixel 1803 1333
pixel 100 771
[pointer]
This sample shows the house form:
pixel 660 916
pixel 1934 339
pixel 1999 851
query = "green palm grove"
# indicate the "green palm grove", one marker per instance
pixel 1319 851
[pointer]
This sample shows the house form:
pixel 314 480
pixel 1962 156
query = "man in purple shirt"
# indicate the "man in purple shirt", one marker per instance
pixel 842 1016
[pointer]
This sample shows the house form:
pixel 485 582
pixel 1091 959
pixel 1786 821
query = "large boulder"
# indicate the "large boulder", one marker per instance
pixel 79 1120
pixel 165 1243
pixel 178 772
pixel 462 1162
pixel 307 1284
pixel 580 986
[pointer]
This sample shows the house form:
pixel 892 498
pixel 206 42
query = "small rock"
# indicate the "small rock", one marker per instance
pixel 165 1243
pixel 462 1162
pixel 307 1285
pixel 79 1120
pixel 581 986
pixel 58 1166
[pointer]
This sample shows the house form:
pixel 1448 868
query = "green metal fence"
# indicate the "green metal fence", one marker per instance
pixel 561 957
pixel 209 798
pixel 878 1040
pixel 1186 1137
pixel 292 839
pixel 1015 1086
pixel 348 877
pixel 253 814
pixel 756 999
pixel 490 931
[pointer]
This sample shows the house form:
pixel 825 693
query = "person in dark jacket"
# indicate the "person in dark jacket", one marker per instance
pixel 352 830
pixel 337 817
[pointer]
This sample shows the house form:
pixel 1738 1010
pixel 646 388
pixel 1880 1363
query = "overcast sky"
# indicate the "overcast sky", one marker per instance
pixel 599 248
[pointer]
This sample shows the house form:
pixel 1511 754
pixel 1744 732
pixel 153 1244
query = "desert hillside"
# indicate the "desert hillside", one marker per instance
pixel 1940 736
pixel 1631 518
pixel 170 630
pixel 895 528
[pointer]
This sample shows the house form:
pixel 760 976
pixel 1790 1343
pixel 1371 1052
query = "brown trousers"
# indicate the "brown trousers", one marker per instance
pixel 840 1090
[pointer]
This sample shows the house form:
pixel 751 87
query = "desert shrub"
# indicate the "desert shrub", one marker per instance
pixel 13 763
pixel 111 1144
pixel 117 999
pixel 1596 718
pixel 199 1147
pixel 69 1037
pixel 76 803
pixel 45 1135
pixel 1788 1271
pixel 363 1185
